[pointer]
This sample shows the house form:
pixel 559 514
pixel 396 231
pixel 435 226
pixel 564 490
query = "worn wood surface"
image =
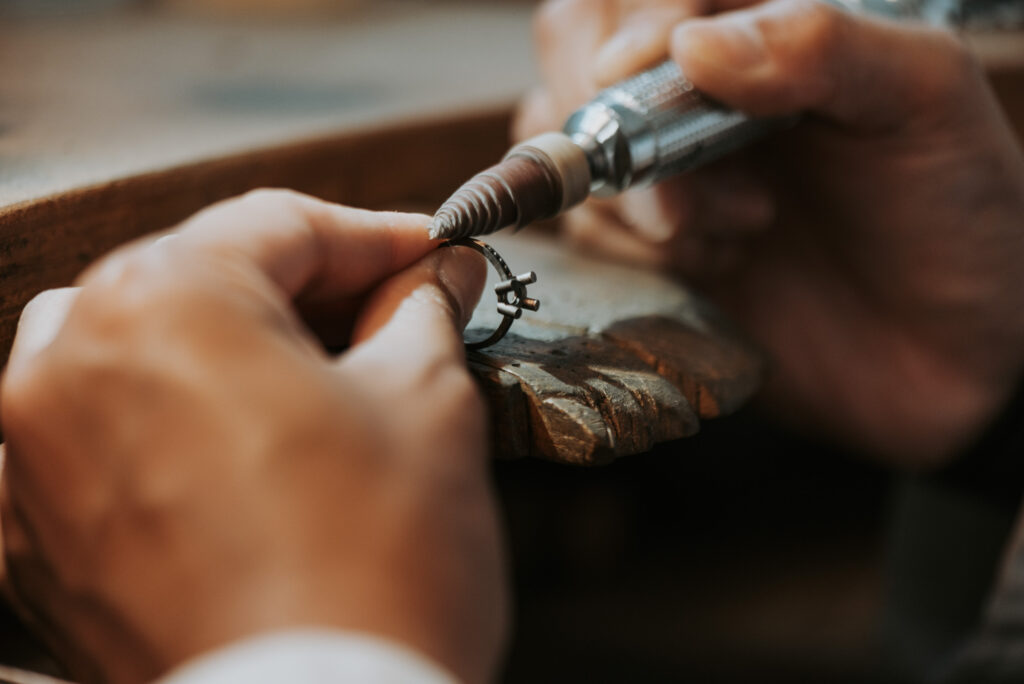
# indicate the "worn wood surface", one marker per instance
pixel 615 361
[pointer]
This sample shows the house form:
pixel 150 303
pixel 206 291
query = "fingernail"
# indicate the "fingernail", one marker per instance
pixel 724 42
pixel 462 273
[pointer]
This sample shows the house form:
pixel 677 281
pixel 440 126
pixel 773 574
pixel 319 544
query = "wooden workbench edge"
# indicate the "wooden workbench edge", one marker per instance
pixel 46 242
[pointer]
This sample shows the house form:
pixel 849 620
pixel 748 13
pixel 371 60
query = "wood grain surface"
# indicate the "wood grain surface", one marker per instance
pixel 616 360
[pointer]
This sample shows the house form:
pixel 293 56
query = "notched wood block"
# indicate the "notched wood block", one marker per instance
pixel 716 369
pixel 511 436
pixel 616 361
pixel 589 401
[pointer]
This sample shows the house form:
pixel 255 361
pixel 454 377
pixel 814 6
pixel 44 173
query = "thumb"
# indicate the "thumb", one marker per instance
pixel 411 325
pixel 787 56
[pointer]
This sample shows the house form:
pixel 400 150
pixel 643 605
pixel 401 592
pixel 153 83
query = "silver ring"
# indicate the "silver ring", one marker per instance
pixel 511 291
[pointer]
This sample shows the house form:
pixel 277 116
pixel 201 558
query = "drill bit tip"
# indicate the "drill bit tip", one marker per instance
pixel 440 227
pixel 536 180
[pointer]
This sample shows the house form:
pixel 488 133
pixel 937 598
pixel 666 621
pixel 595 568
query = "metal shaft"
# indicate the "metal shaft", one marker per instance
pixel 635 133
pixel 655 125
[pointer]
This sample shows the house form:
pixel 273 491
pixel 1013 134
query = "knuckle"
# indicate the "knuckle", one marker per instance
pixel 271 200
pixel 126 296
pixel 824 24
pixel 287 207
pixel 119 269
pixel 804 32
pixel 121 280
pixel 270 196
pixel 41 302
pixel 45 307
pixel 801 39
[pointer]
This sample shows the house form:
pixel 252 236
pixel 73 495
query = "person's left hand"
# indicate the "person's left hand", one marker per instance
pixel 872 250
pixel 187 465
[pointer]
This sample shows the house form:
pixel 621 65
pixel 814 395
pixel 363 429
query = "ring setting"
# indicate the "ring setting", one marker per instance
pixel 511 291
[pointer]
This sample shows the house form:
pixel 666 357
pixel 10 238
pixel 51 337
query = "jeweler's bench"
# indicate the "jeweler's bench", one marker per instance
pixel 96 149
pixel 380 110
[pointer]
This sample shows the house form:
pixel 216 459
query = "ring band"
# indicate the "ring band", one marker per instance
pixel 511 291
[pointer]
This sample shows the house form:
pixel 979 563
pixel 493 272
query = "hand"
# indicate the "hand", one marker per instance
pixel 187 465
pixel 874 250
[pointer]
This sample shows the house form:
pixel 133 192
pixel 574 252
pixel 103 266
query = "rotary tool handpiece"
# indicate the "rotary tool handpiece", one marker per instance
pixel 635 133
pixel 655 125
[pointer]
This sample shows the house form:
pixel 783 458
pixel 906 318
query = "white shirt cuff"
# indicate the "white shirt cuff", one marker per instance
pixel 310 656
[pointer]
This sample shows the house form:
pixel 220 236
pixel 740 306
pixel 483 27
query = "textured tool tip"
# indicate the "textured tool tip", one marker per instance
pixel 440 227
pixel 524 187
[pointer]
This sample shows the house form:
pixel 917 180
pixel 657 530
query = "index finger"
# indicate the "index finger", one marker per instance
pixel 306 245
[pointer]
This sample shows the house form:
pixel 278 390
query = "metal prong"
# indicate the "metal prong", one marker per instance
pixel 505 286
pixel 509 310
pixel 512 297
pixel 527 278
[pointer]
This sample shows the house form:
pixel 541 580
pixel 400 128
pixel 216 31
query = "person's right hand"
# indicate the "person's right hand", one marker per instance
pixel 874 250
pixel 187 465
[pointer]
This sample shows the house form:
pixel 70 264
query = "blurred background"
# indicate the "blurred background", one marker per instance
pixel 288 9
pixel 990 13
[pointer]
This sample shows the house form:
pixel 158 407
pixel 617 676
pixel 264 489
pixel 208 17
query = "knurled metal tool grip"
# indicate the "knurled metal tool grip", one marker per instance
pixel 657 124
pixel 654 125
pixel 635 133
